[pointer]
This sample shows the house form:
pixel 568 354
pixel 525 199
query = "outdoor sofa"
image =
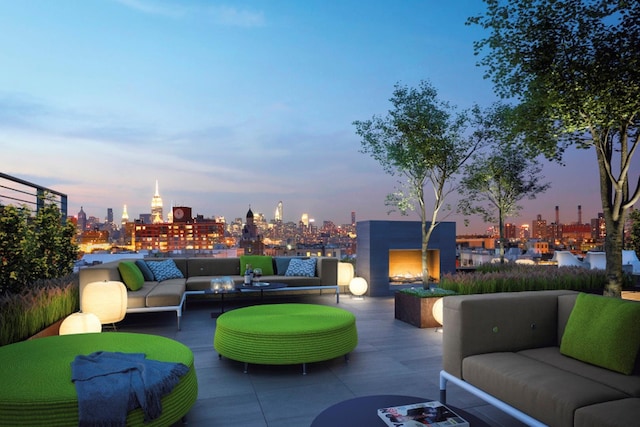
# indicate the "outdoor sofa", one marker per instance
pixel 173 279
pixel 557 358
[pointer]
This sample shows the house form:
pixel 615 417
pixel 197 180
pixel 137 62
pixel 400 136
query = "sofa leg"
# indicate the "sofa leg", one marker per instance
pixel 304 369
pixel 443 389
pixel 246 367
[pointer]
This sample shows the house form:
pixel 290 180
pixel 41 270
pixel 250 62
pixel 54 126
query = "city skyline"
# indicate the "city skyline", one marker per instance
pixel 235 106
pixel 572 217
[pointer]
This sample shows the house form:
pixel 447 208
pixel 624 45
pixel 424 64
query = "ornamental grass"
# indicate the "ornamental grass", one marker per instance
pixel 40 305
pixel 515 278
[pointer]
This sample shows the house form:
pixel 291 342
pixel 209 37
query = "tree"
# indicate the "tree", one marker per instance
pixel 633 242
pixel 574 68
pixel 421 138
pixel 497 179
pixel 33 248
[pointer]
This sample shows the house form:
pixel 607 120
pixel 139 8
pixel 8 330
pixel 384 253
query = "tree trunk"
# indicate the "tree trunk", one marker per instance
pixel 613 249
pixel 501 235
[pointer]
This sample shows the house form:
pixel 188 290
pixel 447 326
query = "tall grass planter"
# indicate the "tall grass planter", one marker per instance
pixel 25 314
pixel 517 278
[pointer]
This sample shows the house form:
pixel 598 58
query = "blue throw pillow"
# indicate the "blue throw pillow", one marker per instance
pixel 165 270
pixel 144 268
pixel 302 267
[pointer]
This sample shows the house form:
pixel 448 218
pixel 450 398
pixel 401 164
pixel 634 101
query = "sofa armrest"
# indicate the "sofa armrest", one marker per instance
pixel 327 270
pixel 487 323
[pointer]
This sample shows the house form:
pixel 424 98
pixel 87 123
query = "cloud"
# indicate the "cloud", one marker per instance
pixel 221 15
pixel 231 16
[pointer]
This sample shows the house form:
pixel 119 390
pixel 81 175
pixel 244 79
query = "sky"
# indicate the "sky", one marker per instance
pixel 236 104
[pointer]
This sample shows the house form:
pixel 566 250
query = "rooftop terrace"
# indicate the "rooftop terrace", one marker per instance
pixel 392 357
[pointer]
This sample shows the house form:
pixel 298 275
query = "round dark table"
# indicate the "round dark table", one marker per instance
pixel 362 411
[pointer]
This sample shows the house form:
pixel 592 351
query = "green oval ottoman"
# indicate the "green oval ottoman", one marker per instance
pixel 285 334
pixel 36 377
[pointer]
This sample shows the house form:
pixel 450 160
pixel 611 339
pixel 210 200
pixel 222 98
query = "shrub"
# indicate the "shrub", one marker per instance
pixel 36 247
pixel 515 278
pixel 45 302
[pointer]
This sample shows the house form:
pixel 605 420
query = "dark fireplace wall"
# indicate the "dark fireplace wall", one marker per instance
pixel 376 238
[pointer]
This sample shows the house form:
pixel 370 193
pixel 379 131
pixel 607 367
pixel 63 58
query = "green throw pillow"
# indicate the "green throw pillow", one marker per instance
pixel 257 261
pixel 131 275
pixel 603 331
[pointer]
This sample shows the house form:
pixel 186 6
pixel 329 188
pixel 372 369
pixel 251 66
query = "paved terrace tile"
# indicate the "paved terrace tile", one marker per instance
pixel 392 357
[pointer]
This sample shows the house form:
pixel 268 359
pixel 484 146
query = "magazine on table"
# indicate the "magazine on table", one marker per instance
pixel 421 414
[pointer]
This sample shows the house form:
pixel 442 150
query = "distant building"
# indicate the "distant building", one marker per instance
pixel 156 207
pixel 185 233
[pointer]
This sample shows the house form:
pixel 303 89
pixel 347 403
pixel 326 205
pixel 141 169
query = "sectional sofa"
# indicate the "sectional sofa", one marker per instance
pixel 166 287
pixel 556 358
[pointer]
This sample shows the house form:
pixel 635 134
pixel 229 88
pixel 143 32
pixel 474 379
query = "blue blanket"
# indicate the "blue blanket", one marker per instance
pixel 110 384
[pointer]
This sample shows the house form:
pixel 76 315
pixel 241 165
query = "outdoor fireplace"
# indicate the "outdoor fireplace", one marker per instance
pixel 382 245
pixel 405 266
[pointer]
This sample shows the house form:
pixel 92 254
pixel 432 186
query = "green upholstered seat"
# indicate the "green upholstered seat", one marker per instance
pixel 284 334
pixel 36 377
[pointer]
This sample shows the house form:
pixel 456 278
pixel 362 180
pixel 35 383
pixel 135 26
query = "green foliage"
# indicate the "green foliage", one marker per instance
pixel 34 248
pixel 574 67
pixel 42 304
pixel 633 242
pixel 498 178
pixel 423 139
pixel 489 278
pixel 427 293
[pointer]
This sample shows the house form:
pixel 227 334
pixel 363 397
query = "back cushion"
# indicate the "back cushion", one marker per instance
pixel 213 267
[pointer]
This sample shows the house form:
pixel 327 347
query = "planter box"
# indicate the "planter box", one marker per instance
pixel 415 310
pixel 49 331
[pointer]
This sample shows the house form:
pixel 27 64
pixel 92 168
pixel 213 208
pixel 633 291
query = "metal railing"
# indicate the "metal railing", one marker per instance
pixel 16 191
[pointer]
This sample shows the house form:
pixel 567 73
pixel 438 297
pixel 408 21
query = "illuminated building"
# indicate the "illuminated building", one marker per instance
pixel 156 207
pixel 185 233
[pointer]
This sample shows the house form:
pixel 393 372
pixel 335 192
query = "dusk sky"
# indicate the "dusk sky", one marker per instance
pixel 235 104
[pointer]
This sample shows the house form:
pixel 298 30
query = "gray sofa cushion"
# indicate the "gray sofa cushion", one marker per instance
pixel 625 412
pixel 138 299
pixel 213 267
pixel 166 294
pixel 542 391
pixel 628 384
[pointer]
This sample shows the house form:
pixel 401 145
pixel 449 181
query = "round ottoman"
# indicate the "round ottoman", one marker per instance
pixel 36 377
pixel 285 334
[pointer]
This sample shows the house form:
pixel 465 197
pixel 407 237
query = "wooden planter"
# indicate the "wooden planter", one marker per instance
pixel 415 310
pixel 49 331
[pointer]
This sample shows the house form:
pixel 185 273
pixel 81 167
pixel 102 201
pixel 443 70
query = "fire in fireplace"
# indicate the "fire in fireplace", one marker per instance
pixel 405 266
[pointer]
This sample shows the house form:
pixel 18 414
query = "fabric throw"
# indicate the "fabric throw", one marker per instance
pixel 302 267
pixel 165 270
pixel 110 384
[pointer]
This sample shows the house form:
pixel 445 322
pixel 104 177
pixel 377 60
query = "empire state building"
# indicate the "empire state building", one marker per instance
pixel 156 207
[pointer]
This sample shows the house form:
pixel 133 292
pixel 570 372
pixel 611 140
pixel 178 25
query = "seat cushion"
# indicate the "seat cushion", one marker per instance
pixel 628 384
pixel 546 393
pixel 624 412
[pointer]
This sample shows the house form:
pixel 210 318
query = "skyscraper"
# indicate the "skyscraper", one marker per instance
pixel 279 212
pixel 156 207
pixel 125 215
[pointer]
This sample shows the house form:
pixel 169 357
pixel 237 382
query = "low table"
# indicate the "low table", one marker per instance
pixel 285 334
pixel 362 411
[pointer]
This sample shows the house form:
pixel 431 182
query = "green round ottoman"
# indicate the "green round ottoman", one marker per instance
pixel 285 334
pixel 36 377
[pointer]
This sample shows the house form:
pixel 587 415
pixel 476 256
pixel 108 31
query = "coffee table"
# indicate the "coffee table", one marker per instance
pixel 261 287
pixel 362 411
